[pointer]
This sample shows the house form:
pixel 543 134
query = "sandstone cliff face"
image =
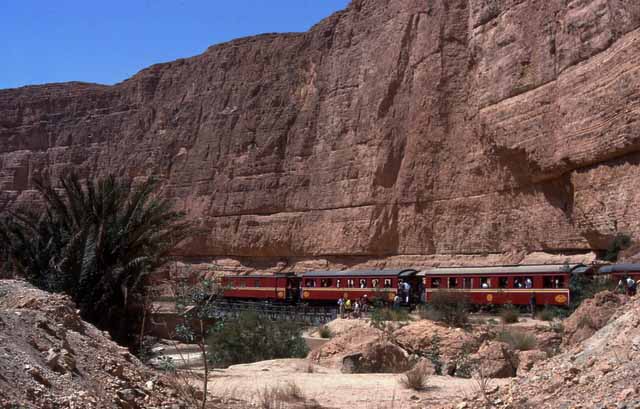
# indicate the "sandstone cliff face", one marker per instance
pixel 394 128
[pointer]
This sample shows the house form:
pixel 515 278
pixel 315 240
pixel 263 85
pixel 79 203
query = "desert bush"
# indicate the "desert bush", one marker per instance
pixel 416 379
pixel 434 354
pixel 251 338
pixel 277 397
pixel 95 241
pixel 389 314
pixel 483 384
pixel 518 340
pixel 449 307
pixel 325 332
pixel 509 314
pixel 166 364
pixel 549 313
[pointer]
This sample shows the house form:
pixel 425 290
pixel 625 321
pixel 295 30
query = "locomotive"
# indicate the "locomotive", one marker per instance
pixel 512 284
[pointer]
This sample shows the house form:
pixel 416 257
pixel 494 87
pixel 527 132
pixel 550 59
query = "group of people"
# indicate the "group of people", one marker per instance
pixel 628 285
pixel 353 309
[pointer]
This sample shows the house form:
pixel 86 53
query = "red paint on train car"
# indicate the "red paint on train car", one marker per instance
pixel 255 287
pixel 331 288
pixel 503 288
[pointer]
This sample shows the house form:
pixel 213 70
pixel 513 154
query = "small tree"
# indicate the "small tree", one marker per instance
pixel 195 305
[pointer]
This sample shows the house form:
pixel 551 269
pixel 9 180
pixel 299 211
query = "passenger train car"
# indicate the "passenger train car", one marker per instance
pixel 516 284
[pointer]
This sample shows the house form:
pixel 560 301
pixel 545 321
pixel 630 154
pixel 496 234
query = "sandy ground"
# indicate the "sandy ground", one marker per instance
pixel 333 389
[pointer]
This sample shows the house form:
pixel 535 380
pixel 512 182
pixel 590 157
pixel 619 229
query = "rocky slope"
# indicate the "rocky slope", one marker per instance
pixel 50 358
pixel 397 130
pixel 600 372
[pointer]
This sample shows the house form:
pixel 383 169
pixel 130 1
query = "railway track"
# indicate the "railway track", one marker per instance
pixel 306 314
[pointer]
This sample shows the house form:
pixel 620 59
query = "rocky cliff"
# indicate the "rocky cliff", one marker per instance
pixel 395 129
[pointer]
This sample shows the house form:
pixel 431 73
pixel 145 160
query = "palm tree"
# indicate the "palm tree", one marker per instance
pixel 95 241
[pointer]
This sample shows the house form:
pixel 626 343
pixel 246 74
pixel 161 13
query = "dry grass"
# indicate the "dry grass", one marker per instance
pixel 509 314
pixel 416 379
pixel 483 384
pixel 280 396
pixel 518 340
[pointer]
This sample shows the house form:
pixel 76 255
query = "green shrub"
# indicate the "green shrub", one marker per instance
pixel 251 338
pixel 620 242
pixel 509 314
pixel 166 364
pixel 518 340
pixel 584 287
pixel 325 332
pixel 450 307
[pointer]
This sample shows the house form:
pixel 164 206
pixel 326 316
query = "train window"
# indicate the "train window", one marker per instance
pixel 363 283
pixel 485 282
pixel 435 282
pixel 243 283
pixel 503 282
pixel 518 282
pixel 310 283
pixel 327 282
pixel 467 282
pixel 351 283
pixel 528 282
pixel 547 282
pixel 558 282
pixel 375 283
pixel 338 284
pixel 387 283
pixel 453 282
pixel 257 283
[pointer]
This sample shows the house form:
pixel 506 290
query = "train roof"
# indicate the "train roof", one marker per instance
pixel 619 268
pixel 515 269
pixel 275 275
pixel 360 273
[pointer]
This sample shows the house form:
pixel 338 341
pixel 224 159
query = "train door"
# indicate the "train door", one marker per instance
pixel 293 290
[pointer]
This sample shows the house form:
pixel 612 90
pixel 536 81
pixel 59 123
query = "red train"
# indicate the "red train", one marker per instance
pixel 484 285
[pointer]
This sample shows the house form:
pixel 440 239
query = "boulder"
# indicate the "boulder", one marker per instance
pixel 496 360
pixel 528 358
pixel 436 341
pixel 377 357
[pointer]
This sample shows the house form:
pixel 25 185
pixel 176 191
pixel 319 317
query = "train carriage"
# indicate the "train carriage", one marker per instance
pixel 328 286
pixel 504 284
pixel 621 271
pixel 278 287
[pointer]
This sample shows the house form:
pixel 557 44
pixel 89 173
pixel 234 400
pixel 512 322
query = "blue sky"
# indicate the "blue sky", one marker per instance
pixel 108 41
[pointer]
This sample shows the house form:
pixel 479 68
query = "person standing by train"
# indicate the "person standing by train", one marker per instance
pixel 631 287
pixel 407 292
pixel 532 304
pixel 341 307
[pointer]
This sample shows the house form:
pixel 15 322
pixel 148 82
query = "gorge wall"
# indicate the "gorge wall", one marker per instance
pixel 404 130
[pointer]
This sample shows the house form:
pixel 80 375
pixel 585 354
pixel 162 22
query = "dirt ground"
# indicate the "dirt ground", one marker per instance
pixel 333 389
